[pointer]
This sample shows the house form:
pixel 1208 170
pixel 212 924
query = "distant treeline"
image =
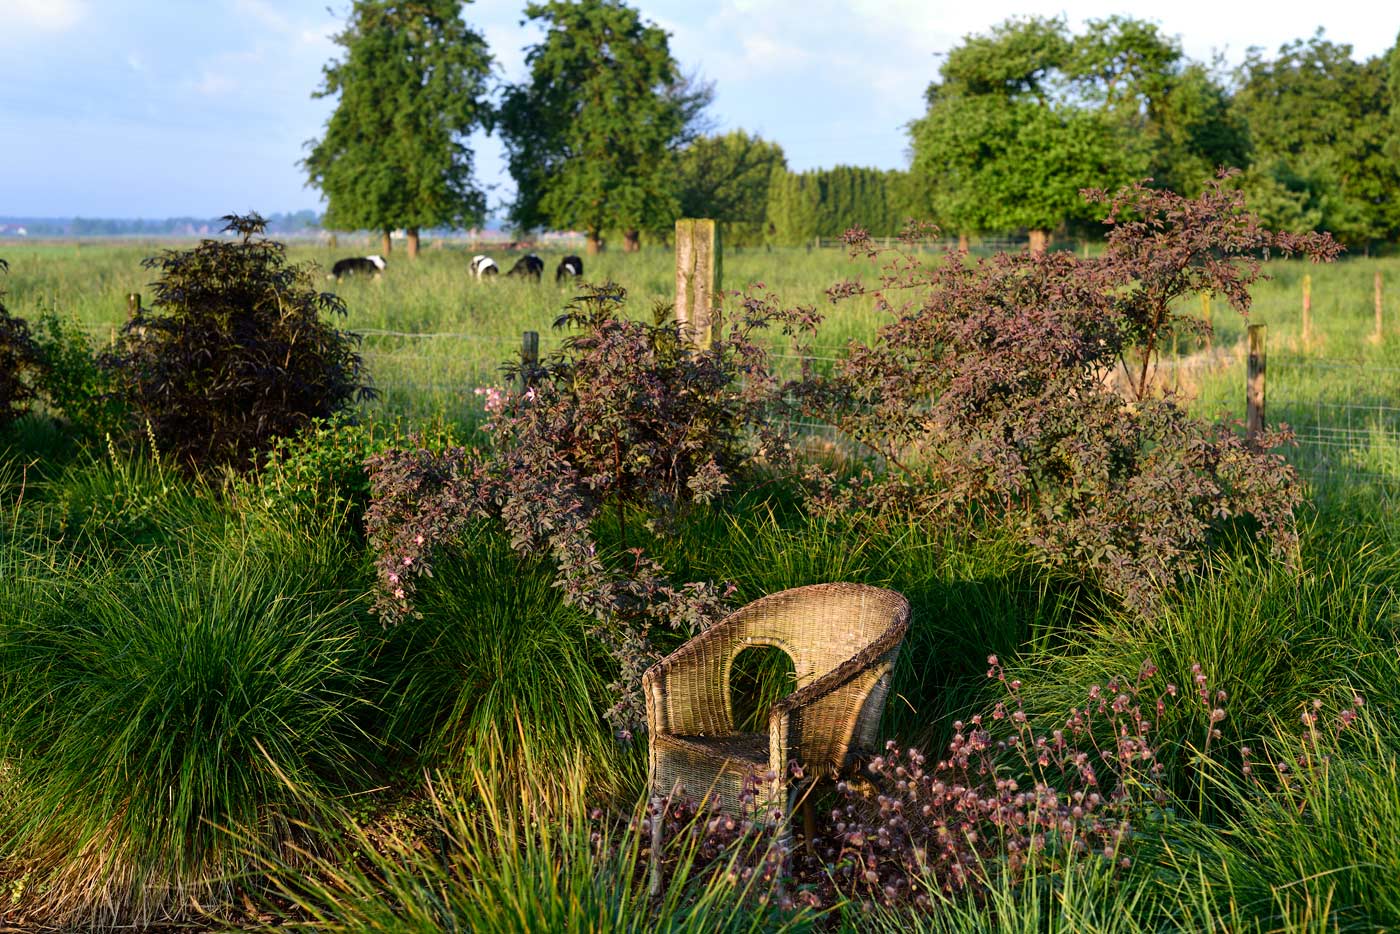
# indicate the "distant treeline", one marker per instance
pixel 828 202
pixel 292 223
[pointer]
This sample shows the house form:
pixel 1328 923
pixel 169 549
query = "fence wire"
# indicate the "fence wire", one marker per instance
pixel 1344 413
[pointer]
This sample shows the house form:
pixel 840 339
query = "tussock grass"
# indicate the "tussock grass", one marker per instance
pixel 148 700
pixel 514 847
pixel 496 655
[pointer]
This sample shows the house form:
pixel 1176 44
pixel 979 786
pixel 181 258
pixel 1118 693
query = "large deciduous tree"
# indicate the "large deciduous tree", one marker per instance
pixel 1026 116
pixel 726 177
pixel 591 134
pixel 411 88
pixel 1000 146
pixel 1318 121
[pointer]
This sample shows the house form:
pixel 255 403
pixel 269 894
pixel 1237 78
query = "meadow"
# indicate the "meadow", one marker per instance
pixel 202 721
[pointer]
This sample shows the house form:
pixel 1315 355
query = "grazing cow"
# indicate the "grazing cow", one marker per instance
pixel 570 267
pixel 358 265
pixel 528 265
pixel 483 266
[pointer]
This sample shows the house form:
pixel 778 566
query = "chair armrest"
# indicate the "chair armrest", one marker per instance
pixel 821 724
pixel 685 691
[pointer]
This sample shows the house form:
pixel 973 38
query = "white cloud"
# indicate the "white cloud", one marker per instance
pixel 264 14
pixel 767 53
pixel 214 84
pixel 49 16
pixel 318 36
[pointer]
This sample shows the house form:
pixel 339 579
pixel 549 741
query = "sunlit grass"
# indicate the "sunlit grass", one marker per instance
pixel 187 678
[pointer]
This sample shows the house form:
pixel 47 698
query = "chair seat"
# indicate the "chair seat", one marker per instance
pixel 741 748
pixel 717 767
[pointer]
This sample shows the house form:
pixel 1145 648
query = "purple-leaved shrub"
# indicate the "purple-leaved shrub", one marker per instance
pixel 988 395
pixel 625 417
pixel 21 363
pixel 234 352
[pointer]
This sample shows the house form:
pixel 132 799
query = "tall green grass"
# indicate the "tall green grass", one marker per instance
pixel 151 700
pixel 517 848
pixel 494 655
pixel 188 671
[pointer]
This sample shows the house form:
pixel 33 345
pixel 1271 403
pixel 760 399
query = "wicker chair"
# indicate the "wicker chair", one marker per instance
pixel 843 640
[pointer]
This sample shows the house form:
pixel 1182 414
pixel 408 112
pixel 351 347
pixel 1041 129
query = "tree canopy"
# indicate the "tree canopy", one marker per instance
pixel 412 86
pixel 1026 116
pixel 726 177
pixel 590 134
pixel 1318 122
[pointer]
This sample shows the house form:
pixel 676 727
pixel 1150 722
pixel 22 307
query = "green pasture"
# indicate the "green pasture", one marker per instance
pixel 201 721
pixel 432 334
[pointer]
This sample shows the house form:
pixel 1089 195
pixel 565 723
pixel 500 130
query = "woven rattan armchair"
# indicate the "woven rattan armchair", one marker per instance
pixel 843 640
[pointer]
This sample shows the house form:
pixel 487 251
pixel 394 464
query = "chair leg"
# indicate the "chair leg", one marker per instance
pixel 809 821
pixel 657 819
pixel 800 795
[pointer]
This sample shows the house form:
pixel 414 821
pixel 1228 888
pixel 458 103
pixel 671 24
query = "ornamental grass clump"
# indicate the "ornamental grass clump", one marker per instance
pixel 157 706
pixel 234 351
pixel 990 396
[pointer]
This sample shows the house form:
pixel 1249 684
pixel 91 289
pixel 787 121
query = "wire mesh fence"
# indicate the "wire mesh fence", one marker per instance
pixel 1345 413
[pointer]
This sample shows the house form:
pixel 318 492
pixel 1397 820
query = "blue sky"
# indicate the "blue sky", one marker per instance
pixel 155 108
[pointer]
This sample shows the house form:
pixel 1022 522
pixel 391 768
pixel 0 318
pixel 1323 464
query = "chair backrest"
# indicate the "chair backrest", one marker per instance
pixel 821 627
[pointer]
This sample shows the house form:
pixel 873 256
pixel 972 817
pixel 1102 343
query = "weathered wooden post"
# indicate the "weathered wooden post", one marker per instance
pixel 1254 384
pixel 698 277
pixel 133 304
pixel 1377 336
pixel 1307 309
pixel 529 358
pixel 1205 316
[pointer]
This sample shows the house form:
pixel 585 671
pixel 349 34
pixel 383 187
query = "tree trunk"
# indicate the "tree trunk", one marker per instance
pixel 962 242
pixel 594 245
pixel 631 241
pixel 1040 240
pixel 413 243
pixel 386 245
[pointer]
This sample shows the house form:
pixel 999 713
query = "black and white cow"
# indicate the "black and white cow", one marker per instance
pixel 570 267
pixel 483 266
pixel 529 265
pixel 358 265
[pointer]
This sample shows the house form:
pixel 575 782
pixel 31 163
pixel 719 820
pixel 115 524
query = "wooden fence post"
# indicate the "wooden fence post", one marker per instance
pixel 1377 336
pixel 133 304
pixel 698 277
pixel 1254 385
pixel 1307 309
pixel 529 358
pixel 1205 316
